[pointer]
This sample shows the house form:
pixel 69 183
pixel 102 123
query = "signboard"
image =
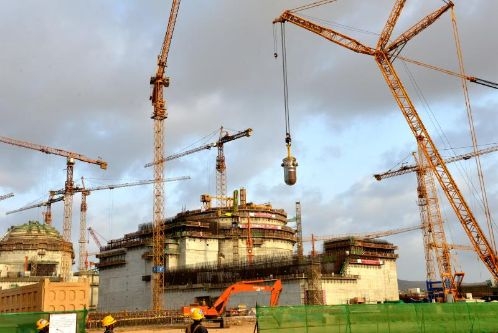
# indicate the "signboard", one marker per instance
pixel 62 323
pixel 158 269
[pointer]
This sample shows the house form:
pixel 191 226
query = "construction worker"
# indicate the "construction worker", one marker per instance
pixel 108 323
pixel 196 327
pixel 42 325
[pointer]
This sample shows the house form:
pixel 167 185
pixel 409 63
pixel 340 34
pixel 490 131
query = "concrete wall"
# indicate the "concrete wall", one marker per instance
pixel 12 262
pixel 375 284
pixel 122 288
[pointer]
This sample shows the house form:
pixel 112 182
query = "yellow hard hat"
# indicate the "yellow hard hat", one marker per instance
pixel 108 320
pixel 196 314
pixel 42 323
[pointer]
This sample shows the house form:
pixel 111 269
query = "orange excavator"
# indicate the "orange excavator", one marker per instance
pixel 215 312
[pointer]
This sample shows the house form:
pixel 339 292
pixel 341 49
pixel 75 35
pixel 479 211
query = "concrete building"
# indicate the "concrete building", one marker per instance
pixel 211 248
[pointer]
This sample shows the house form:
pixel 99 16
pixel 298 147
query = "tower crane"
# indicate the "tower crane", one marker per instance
pixel 221 183
pixel 85 191
pixel 68 190
pixel 413 168
pixel 436 246
pixel 158 82
pixel 384 53
pixel 6 196
pixel 221 178
pixel 435 243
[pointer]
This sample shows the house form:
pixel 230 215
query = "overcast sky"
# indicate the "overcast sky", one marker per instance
pixel 75 76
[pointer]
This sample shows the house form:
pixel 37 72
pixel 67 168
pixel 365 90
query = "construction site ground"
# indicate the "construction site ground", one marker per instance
pixel 236 325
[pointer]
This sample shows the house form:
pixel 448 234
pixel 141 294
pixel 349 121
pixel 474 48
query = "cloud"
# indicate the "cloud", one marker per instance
pixel 76 77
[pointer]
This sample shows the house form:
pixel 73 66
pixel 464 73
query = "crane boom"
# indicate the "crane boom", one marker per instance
pixel 6 196
pixel 446 71
pixel 93 233
pixel 55 151
pixel 413 168
pixel 181 154
pixel 221 178
pixel 382 56
pixel 221 141
pixel 82 189
pixel 85 191
pixel 370 235
pixel 113 186
pixel 221 187
pixel 40 204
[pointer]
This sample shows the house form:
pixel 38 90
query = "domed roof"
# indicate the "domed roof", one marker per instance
pixel 34 235
pixel 31 230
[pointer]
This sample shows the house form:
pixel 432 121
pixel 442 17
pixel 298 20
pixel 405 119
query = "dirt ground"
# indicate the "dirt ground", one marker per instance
pixel 236 326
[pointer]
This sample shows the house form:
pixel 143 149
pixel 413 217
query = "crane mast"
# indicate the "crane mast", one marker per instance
pixel 383 54
pixel 158 82
pixel 435 243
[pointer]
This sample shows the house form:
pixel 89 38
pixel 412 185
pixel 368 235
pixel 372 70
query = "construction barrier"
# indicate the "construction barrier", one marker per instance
pixel 138 318
pixel 25 322
pixel 388 317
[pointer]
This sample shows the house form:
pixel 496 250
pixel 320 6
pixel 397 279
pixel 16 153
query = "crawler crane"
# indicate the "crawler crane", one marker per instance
pixel 384 53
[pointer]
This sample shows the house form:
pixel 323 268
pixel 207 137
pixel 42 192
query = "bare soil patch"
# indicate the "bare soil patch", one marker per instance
pixel 242 325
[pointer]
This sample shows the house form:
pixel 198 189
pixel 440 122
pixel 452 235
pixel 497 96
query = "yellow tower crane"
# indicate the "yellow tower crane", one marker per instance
pixel 158 82
pixel 384 53
pixel 68 189
pixel 436 247
pixel 221 178
pixel 85 191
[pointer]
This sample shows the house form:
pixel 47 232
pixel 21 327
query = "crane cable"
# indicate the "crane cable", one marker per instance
pixel 289 163
pixel 288 138
pixel 472 131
